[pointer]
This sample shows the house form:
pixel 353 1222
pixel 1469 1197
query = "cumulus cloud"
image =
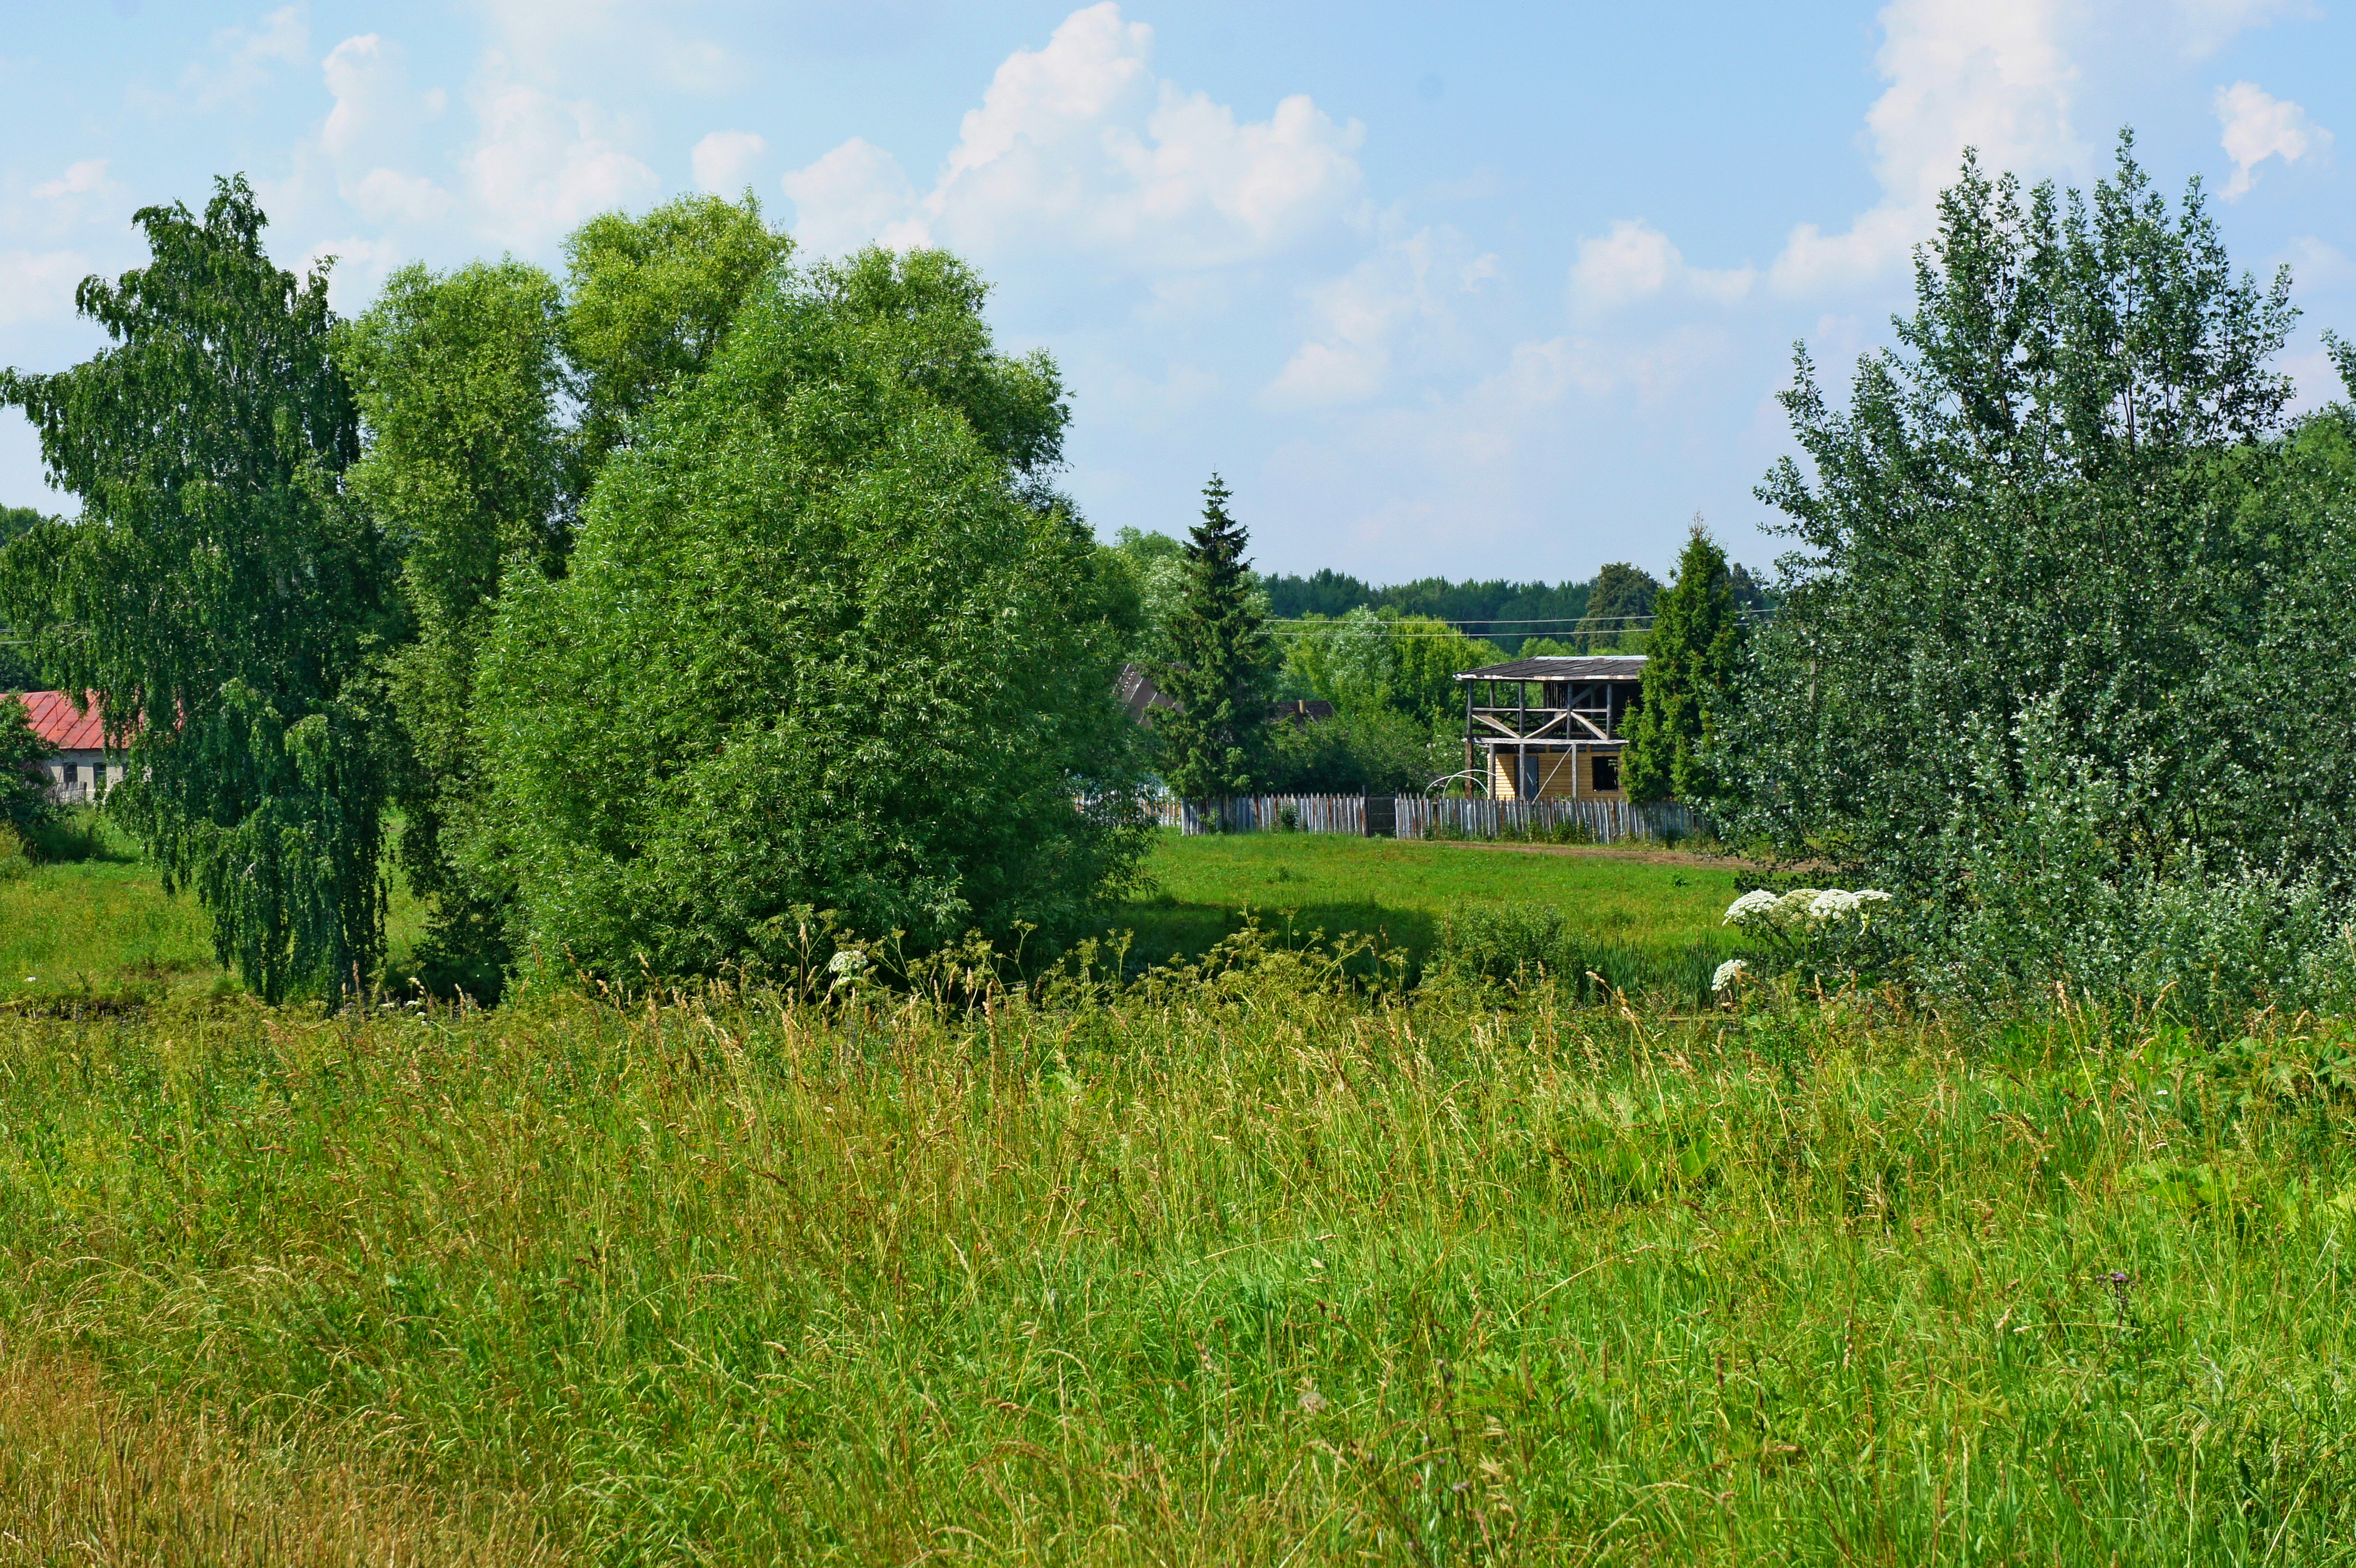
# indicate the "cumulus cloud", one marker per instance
pixel 37 284
pixel 2204 26
pixel 1990 74
pixel 724 160
pixel 855 194
pixel 243 58
pixel 1633 261
pixel 550 40
pixel 79 179
pixel 360 266
pixel 389 196
pixel 543 165
pixel 1080 143
pixel 373 127
pixel 2259 126
pixel 1401 302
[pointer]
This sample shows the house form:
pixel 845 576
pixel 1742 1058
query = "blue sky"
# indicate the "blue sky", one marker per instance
pixel 1463 290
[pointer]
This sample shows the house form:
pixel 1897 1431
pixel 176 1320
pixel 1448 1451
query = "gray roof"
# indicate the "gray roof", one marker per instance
pixel 1563 667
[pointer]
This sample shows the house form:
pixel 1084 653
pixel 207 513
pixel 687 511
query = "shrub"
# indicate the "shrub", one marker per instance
pixel 1508 944
pixel 826 642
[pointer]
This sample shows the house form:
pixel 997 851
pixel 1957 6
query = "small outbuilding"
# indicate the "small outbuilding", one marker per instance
pixel 80 773
pixel 1551 727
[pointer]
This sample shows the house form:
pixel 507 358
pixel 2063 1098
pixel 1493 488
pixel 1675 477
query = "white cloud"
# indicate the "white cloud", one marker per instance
pixel 1990 74
pixel 856 193
pixel 2204 26
pixel 245 58
pixel 79 179
pixel 2259 126
pixel 1398 304
pixel 36 285
pixel 1634 260
pixel 361 265
pixel 724 160
pixel 376 109
pixel 389 196
pixel 556 40
pixel 373 127
pixel 543 165
pixel 1079 143
pixel 2317 264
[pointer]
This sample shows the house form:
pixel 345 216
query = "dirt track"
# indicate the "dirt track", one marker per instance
pixel 1604 852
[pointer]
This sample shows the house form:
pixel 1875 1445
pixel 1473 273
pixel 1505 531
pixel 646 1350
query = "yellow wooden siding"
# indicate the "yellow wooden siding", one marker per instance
pixel 1555 776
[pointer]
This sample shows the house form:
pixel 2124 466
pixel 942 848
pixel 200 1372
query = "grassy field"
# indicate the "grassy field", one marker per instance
pixel 1241 1263
pixel 1237 1268
pixel 1400 890
pixel 104 929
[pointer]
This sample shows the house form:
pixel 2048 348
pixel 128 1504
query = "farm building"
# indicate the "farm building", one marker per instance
pixel 1142 698
pixel 1551 728
pixel 79 772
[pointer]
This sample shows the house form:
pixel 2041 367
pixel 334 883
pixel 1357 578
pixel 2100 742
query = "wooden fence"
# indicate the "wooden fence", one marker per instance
pixel 1413 816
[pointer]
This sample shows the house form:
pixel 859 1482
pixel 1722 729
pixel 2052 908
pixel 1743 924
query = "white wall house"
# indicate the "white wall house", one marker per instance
pixel 81 772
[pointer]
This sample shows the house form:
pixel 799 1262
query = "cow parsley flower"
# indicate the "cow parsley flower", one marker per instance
pixel 1758 901
pixel 1832 903
pixel 1729 974
pixel 850 961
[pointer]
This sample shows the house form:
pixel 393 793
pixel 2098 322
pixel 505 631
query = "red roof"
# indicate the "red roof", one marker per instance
pixel 55 721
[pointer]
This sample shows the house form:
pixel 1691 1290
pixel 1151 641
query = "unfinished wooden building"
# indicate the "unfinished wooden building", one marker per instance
pixel 1552 727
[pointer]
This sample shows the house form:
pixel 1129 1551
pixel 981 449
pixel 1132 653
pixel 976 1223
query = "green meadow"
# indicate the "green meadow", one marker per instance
pixel 1263 1257
pixel 104 929
pixel 1399 891
pixel 1241 1264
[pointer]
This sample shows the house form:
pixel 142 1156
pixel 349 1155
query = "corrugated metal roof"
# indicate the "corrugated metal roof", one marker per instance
pixel 55 721
pixel 1563 667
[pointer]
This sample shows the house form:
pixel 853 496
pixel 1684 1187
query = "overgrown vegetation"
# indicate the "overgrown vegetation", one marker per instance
pixel 1244 1264
pixel 2065 646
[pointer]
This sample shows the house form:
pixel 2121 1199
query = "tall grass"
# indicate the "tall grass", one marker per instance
pixel 1240 1266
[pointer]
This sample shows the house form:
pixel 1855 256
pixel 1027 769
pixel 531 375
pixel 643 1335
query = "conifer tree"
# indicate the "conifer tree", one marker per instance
pixel 1222 664
pixel 1693 653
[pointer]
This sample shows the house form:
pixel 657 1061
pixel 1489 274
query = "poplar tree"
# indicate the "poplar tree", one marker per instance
pixel 215 595
pixel 2062 657
pixel 457 376
pixel 1692 657
pixel 1220 671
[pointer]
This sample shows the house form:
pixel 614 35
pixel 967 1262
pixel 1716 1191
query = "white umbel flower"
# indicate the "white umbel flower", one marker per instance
pixel 1728 975
pixel 1756 902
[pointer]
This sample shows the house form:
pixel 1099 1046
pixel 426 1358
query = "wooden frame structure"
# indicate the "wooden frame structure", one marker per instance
pixel 1551 727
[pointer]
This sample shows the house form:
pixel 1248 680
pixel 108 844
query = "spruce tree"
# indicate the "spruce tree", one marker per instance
pixel 1219 675
pixel 1693 653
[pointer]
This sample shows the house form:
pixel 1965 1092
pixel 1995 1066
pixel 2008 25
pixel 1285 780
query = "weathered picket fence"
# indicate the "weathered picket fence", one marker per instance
pixel 1413 816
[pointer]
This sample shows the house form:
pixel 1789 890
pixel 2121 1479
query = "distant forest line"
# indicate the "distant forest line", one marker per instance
pixel 1505 612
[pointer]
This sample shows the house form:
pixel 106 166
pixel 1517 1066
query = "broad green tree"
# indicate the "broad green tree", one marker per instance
pixel 826 644
pixel 457 376
pixel 17 671
pixel 1370 658
pixel 2057 567
pixel 1617 605
pixel 1221 666
pixel 649 302
pixel 25 799
pixel 217 595
pixel 1693 658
